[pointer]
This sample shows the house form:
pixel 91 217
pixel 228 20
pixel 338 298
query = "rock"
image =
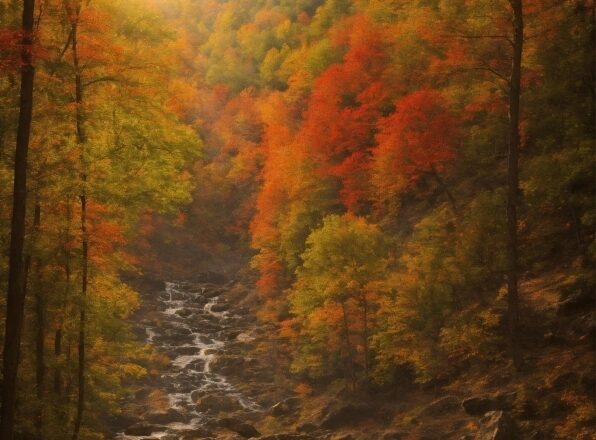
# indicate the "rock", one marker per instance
pixel 239 427
pixel 306 427
pixel 245 337
pixel 220 307
pixel 582 298
pixel 196 395
pixel 344 415
pixel 164 417
pixel 554 407
pixel 285 406
pixel 588 384
pixel 194 434
pixel 395 435
pixel 228 364
pixel 565 380
pixel 184 313
pixel 218 403
pixel 205 340
pixel 210 277
pixel 182 351
pixel 143 393
pixel 119 422
pixel 480 405
pixel 496 425
pixel 212 293
pixel 441 406
pixel 143 429
pixel 288 436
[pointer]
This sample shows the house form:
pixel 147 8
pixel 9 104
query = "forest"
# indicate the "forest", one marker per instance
pixel 297 219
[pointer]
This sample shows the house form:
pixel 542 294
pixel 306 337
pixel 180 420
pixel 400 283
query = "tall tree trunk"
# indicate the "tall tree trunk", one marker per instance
pixel 15 298
pixel 364 304
pixel 513 184
pixel 351 372
pixel 40 315
pixel 82 322
pixel 58 336
pixel 81 141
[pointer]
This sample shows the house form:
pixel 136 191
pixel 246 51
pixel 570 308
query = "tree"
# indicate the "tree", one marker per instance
pixel 16 293
pixel 513 182
pixel 334 296
pixel 416 140
pixel 347 100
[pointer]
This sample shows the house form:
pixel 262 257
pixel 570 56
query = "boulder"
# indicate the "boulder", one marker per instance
pixel 143 429
pixel 441 406
pixel 306 427
pixel 218 403
pixel 496 425
pixel 285 406
pixel 196 395
pixel 577 298
pixel 480 405
pixel 220 307
pixel 184 313
pixel 565 380
pixel 395 435
pixel 194 434
pixel 288 436
pixel 182 351
pixel 164 417
pixel 228 364
pixel 344 415
pixel 239 427
pixel 211 278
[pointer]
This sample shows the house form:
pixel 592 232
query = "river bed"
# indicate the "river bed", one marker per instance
pixel 189 323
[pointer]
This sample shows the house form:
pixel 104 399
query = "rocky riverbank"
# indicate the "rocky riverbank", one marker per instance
pixel 218 380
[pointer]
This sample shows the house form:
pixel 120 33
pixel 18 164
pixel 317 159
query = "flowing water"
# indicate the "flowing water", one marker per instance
pixel 191 326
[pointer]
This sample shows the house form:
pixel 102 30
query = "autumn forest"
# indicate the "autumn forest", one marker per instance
pixel 297 219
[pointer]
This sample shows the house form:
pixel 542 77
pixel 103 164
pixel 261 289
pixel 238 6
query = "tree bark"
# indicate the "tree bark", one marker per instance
pixel 40 318
pixel 81 141
pixel 15 298
pixel 351 370
pixel 364 304
pixel 58 334
pixel 513 184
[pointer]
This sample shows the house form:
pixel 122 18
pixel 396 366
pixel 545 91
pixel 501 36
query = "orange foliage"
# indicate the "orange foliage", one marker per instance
pixel 419 137
pixel 346 102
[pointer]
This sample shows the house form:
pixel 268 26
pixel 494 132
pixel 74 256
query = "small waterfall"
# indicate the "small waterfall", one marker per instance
pixel 191 332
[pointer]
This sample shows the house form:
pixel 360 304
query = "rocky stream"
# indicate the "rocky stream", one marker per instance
pixel 197 330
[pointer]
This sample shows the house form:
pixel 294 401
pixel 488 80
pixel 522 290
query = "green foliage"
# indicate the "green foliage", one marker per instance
pixel 343 259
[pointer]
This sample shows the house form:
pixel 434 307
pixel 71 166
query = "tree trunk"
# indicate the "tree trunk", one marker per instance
pixel 349 351
pixel 364 303
pixel 40 318
pixel 513 184
pixel 82 322
pixel 60 324
pixel 15 298
pixel 81 141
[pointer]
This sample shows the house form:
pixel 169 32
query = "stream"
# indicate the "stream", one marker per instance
pixel 191 325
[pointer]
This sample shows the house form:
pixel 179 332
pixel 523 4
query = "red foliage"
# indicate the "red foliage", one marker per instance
pixel 418 137
pixel 346 102
pixel 11 44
